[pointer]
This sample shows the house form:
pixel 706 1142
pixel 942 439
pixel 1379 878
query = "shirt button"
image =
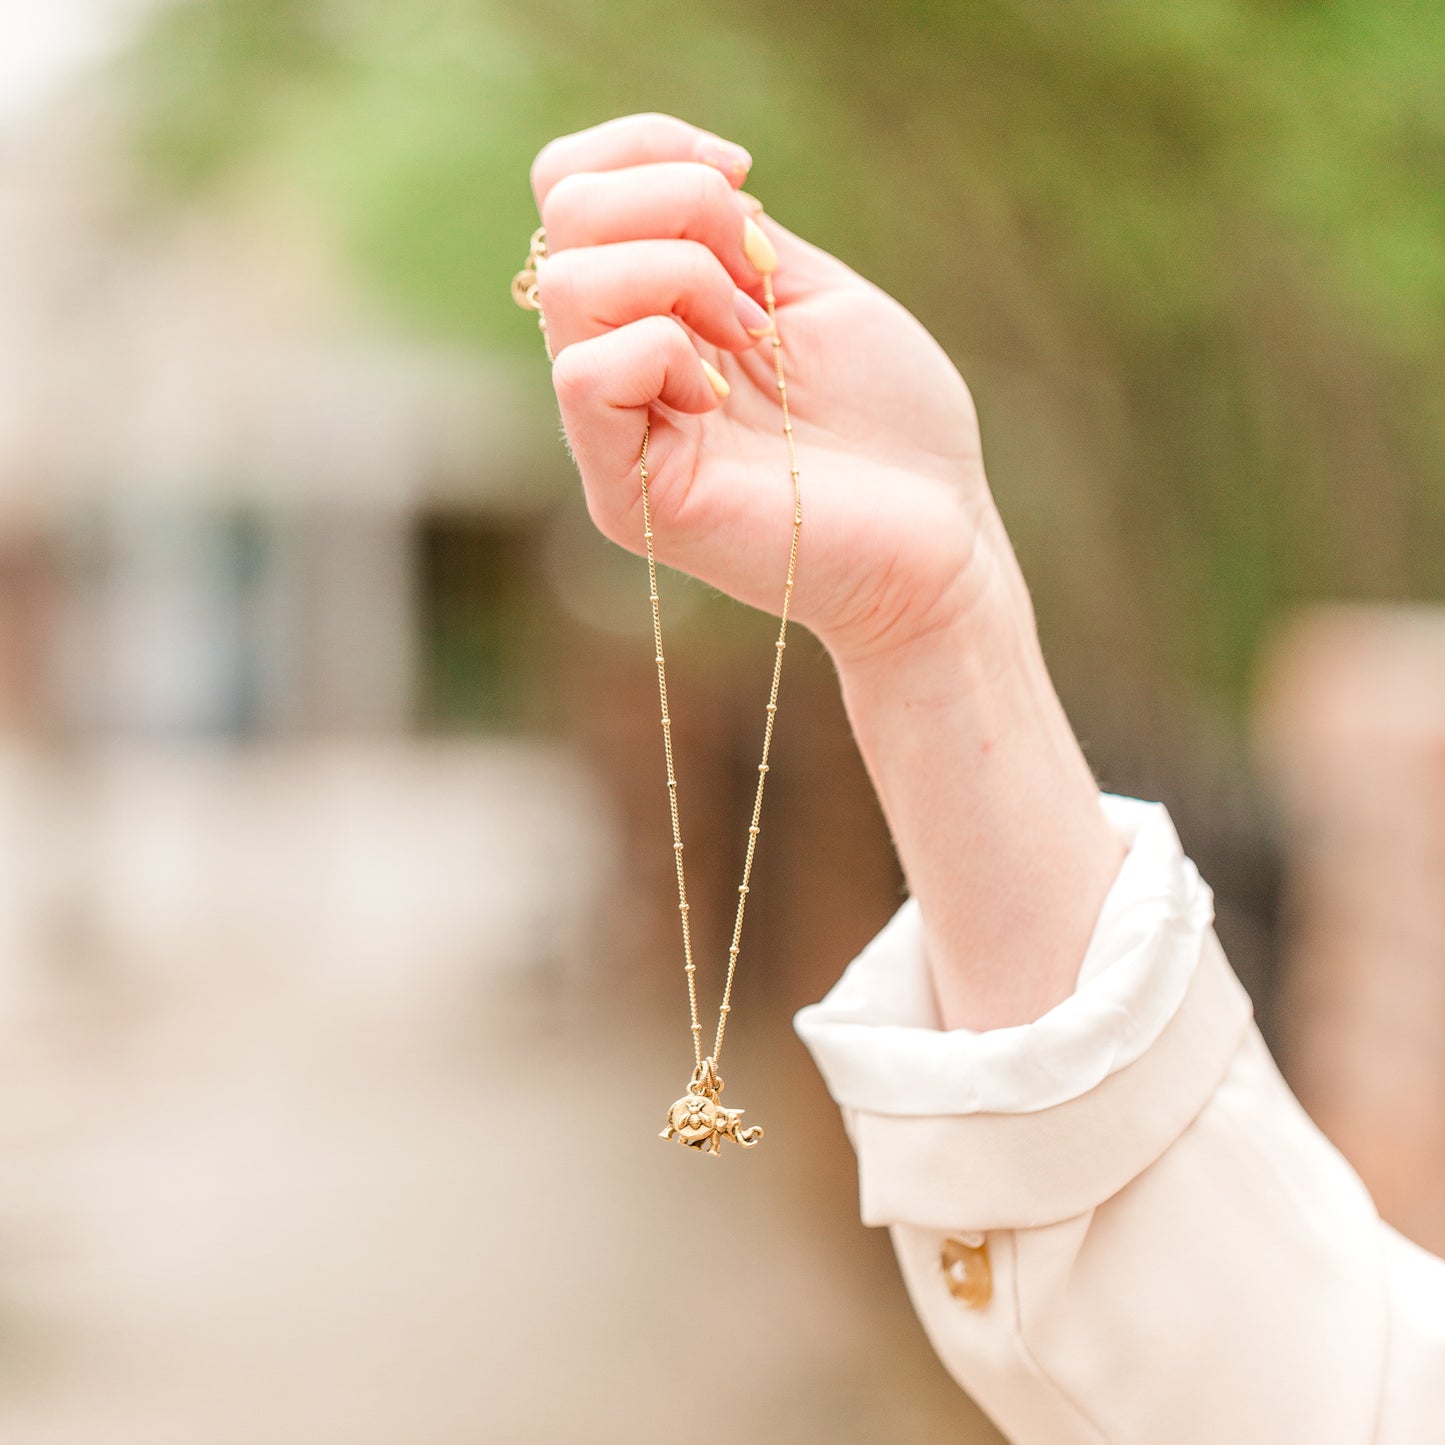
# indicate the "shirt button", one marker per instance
pixel 967 1270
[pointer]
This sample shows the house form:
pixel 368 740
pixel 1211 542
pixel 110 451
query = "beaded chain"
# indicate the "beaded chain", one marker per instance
pixel 697 1119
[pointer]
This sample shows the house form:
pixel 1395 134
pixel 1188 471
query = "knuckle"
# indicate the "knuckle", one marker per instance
pixel 657 123
pixel 557 283
pixel 562 204
pixel 701 269
pixel 709 189
pixel 668 336
pixel 574 378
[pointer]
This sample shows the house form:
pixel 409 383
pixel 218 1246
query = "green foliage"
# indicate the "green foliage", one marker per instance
pixel 1190 256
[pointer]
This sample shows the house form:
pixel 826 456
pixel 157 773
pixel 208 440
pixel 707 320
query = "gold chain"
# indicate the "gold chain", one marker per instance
pixel 697 1119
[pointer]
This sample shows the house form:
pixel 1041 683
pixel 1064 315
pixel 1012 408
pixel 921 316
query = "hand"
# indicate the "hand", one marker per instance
pixel 646 276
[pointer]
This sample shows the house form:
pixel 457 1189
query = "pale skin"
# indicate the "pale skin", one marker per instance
pixel 905 572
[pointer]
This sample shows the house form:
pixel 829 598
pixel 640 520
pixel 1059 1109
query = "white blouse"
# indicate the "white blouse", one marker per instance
pixel 1116 1223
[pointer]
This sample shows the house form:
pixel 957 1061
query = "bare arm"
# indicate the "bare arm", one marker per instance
pixel 993 811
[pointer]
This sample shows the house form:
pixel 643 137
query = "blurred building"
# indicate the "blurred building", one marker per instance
pixel 233 511
pixel 218 483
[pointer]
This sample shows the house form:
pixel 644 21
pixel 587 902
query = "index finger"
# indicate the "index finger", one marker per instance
pixel 635 140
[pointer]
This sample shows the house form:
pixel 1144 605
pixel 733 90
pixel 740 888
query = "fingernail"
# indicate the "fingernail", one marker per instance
pixel 715 379
pixel 758 249
pixel 754 319
pixel 732 160
pixel 752 203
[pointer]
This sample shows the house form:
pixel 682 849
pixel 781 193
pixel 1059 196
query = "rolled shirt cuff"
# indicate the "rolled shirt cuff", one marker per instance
pixel 1038 1122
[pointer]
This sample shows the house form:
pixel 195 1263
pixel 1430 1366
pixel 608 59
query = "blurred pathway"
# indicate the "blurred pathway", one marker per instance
pixel 266 1204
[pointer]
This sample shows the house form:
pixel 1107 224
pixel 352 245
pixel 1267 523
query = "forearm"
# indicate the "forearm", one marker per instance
pixel 992 808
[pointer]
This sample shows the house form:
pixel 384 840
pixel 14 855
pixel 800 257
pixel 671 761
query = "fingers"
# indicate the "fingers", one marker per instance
pixel 677 200
pixel 587 291
pixel 667 238
pixel 655 175
pixel 635 140
pixel 605 386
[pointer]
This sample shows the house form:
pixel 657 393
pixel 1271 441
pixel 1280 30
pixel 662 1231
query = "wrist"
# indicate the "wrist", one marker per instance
pixel 975 639
pixel 962 599
pixel 993 810
pixel 970 699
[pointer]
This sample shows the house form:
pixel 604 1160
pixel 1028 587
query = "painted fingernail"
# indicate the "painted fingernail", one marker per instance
pixel 758 249
pixel 715 379
pixel 732 160
pixel 754 319
pixel 752 202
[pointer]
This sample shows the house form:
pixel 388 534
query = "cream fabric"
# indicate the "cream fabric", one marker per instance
pixel 1178 1255
pixel 866 1034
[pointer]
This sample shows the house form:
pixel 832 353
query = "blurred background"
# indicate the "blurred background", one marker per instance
pixel 339 992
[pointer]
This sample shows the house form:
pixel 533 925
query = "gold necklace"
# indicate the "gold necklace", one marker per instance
pixel 697 1119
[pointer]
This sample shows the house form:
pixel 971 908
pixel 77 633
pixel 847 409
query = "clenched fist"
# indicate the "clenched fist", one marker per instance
pixel 651 291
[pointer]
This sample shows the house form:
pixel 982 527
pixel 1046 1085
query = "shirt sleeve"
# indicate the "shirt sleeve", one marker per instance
pixel 1116 1224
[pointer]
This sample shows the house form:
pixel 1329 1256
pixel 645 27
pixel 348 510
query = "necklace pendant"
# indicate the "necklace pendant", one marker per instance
pixel 700 1122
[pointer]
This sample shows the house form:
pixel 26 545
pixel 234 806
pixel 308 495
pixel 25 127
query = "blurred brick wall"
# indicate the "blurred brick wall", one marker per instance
pixel 1352 719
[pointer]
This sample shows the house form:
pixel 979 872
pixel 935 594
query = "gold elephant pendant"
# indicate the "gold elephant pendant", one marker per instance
pixel 700 1122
